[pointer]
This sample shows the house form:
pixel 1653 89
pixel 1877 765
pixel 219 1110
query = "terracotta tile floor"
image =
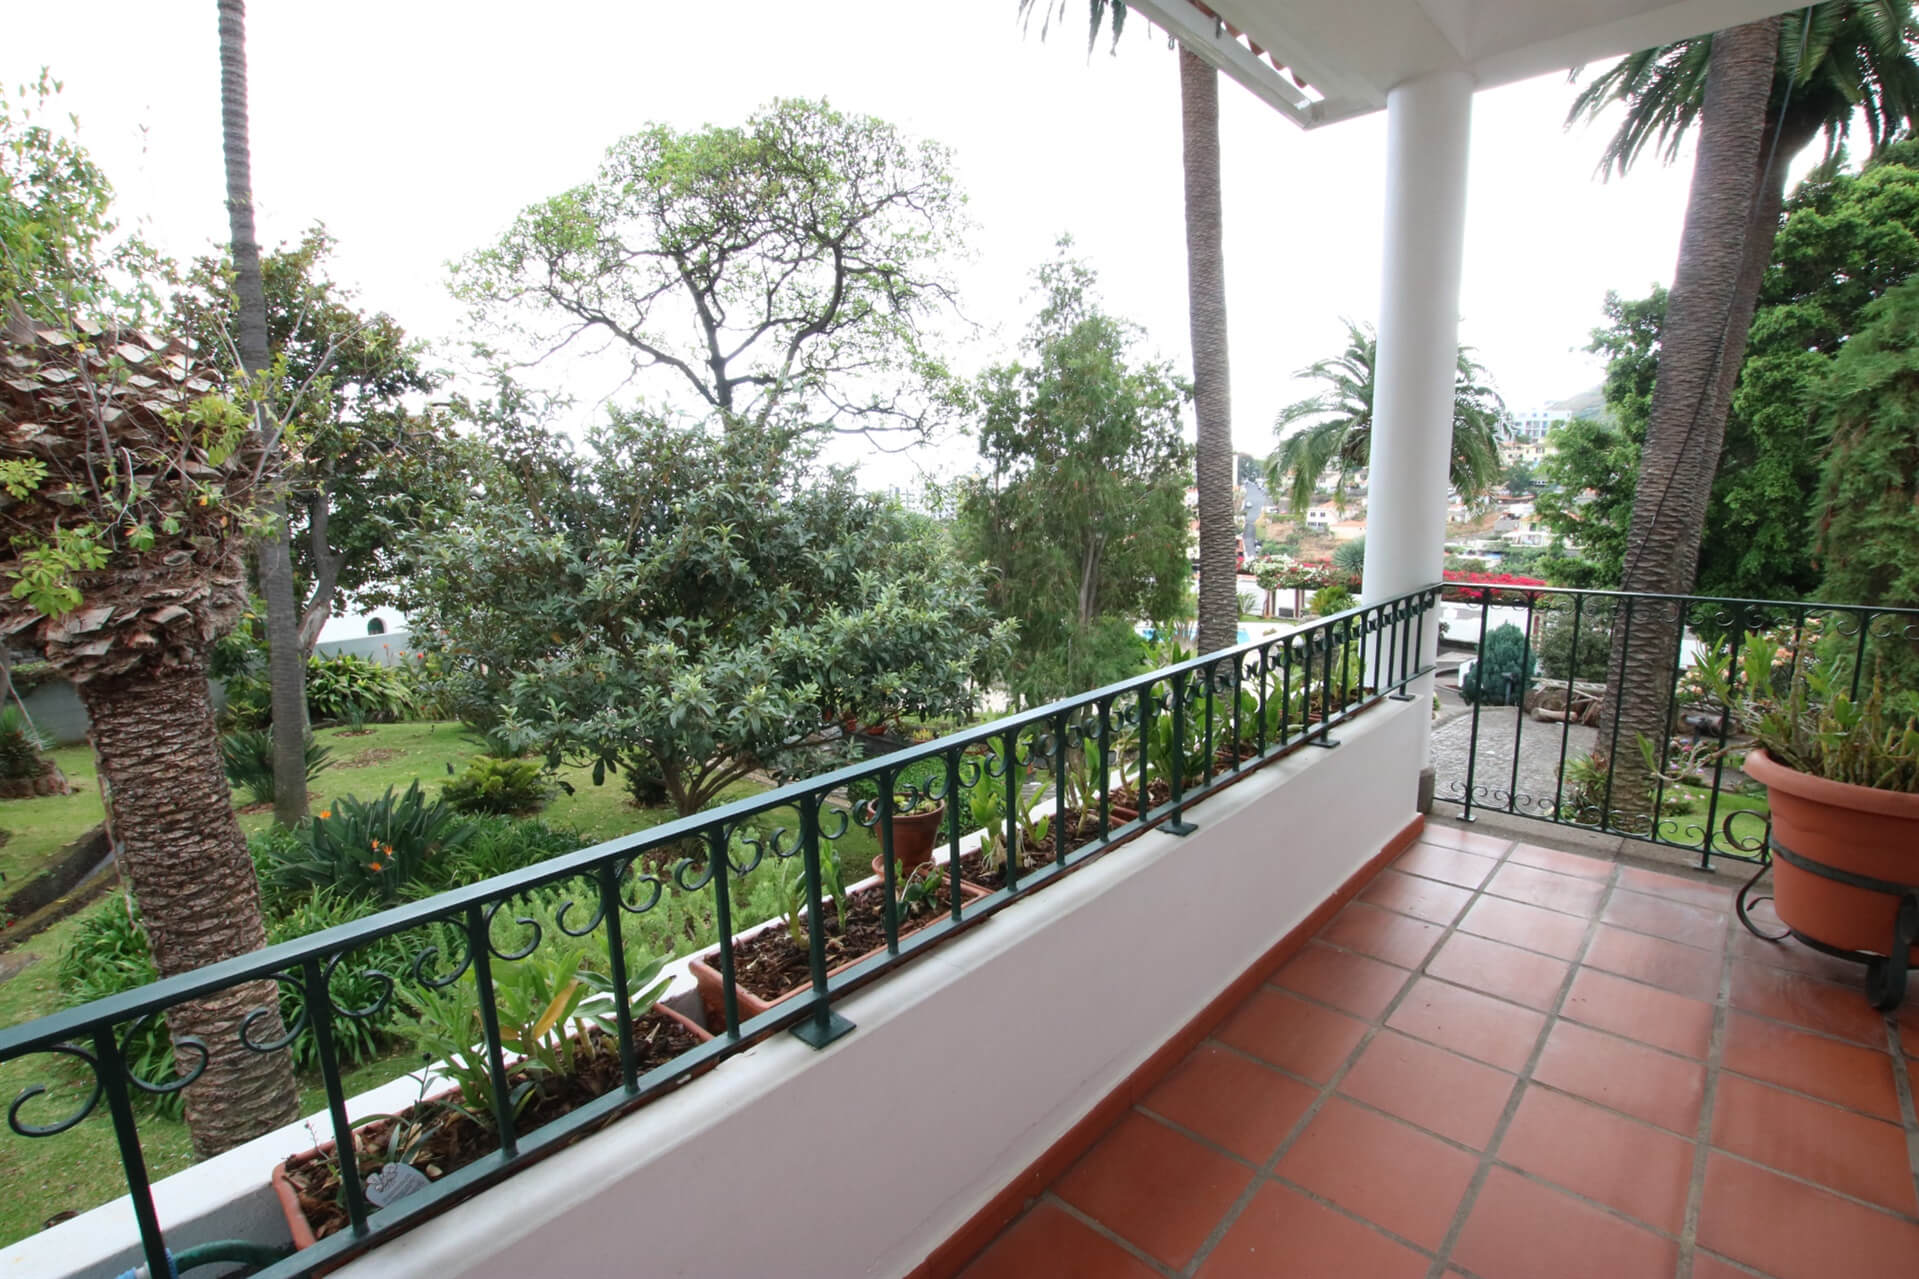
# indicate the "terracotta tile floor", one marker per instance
pixel 1512 1062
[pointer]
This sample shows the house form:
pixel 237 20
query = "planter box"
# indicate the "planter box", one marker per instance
pixel 288 1195
pixel 705 970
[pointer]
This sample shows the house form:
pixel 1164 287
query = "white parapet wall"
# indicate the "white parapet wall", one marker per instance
pixel 965 1068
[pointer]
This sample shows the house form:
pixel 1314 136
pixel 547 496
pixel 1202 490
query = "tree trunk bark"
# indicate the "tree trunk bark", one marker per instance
pixel 1702 345
pixel 181 849
pixel 1212 381
pixel 286 660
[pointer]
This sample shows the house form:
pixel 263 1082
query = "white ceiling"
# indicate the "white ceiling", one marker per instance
pixel 1350 52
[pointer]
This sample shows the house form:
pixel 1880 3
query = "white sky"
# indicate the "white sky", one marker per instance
pixel 416 128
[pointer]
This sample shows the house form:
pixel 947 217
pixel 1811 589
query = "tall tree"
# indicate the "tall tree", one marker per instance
pixel 1708 312
pixel 362 468
pixel 1078 512
pixel 286 659
pixel 1759 93
pixel 1333 430
pixel 1206 318
pixel 129 495
pixel 788 270
pixel 1845 240
pixel 130 492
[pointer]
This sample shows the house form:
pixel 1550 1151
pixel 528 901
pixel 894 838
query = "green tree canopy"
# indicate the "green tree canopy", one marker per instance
pixel 787 270
pixel 694 605
pixel 365 461
pixel 1080 512
pixel 1333 430
pixel 62 256
pixel 1847 239
pixel 1867 518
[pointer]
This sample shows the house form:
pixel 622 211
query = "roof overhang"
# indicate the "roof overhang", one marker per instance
pixel 1317 61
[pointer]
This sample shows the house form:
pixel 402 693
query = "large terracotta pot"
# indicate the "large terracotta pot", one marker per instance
pixel 1857 830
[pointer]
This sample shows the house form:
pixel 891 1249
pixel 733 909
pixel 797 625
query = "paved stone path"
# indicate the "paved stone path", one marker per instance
pixel 1501 731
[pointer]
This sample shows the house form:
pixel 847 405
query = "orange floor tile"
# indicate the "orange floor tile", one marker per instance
pixel 1505 1061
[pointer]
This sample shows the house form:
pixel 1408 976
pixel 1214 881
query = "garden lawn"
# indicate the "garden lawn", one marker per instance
pixel 39 828
pixel 1686 815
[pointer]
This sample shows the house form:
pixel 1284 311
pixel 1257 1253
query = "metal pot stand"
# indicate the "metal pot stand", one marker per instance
pixel 1885 974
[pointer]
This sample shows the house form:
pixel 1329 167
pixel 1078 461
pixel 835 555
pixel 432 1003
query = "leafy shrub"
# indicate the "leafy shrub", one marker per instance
pixel 1328 600
pixel 249 702
pixel 370 849
pixel 355 1038
pixel 1350 557
pixel 1557 633
pixel 21 745
pixel 1248 604
pixel 248 756
pixel 502 786
pixel 1499 677
pixel 336 685
pixel 645 784
pixel 497 845
pixel 107 955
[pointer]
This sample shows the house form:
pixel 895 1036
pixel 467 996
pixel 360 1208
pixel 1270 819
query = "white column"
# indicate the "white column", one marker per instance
pixel 1428 122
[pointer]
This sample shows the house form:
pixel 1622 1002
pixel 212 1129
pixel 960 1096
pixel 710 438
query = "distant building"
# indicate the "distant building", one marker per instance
pixel 1535 424
pixel 1530 451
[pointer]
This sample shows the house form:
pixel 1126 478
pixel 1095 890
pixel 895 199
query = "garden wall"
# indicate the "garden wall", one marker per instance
pixel 58 712
pixel 965 1067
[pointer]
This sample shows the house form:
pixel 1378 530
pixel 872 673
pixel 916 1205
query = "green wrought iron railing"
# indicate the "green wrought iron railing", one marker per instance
pixel 1065 784
pixel 1549 736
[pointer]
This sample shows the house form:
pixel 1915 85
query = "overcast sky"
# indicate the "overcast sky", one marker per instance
pixel 416 129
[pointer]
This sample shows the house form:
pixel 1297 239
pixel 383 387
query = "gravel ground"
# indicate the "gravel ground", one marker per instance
pixel 1499 728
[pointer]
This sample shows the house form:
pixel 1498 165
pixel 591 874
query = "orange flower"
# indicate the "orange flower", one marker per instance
pixel 325 813
pixel 373 866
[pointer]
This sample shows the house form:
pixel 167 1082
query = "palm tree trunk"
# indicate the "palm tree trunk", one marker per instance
pixel 286 658
pixel 183 853
pixel 1212 390
pixel 1701 348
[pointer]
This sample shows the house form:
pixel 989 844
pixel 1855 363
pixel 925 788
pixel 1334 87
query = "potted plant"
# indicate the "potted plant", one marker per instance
pixel 916 824
pixel 557 1028
pixel 772 961
pixel 1842 778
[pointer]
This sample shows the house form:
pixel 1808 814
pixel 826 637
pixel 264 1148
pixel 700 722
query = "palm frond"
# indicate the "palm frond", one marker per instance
pixel 1839 61
pixel 1338 431
pixel 1097 11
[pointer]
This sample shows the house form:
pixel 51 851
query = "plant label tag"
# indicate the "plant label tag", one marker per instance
pixel 394 1182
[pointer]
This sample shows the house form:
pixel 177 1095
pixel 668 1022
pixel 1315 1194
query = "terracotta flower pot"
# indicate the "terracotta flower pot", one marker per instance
pixel 913 836
pixel 1857 830
pixel 301 1230
pixel 705 969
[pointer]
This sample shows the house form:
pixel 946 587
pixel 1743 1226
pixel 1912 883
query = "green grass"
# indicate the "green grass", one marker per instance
pixel 38 828
pixel 1687 808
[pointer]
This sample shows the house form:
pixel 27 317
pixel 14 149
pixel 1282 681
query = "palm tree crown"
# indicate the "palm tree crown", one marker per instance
pixel 1338 425
pixel 1838 62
